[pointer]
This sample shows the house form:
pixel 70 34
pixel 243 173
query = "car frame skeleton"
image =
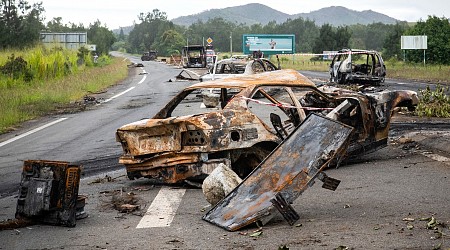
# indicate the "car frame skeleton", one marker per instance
pixel 175 147
pixel 357 66
pixel 234 67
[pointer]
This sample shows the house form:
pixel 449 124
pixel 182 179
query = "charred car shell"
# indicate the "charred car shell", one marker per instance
pixel 254 113
pixel 357 66
pixel 233 67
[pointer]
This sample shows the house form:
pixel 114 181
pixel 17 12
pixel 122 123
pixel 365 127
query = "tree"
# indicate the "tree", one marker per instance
pixel 144 34
pixel 20 23
pixel 438 32
pixel 391 44
pixel 169 43
pixel 101 37
pixel 326 39
pixel 342 38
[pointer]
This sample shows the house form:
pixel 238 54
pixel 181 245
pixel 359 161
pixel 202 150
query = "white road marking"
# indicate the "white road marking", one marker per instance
pixel 31 132
pixel 163 208
pixel 437 157
pixel 107 100
pixel 143 78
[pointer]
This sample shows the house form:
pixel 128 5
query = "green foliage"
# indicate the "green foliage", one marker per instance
pixel 391 44
pixel 145 34
pixel 438 32
pixel 434 103
pixel 100 36
pixel 46 91
pixel 20 23
pixel 330 39
pixel 169 43
pixel 15 68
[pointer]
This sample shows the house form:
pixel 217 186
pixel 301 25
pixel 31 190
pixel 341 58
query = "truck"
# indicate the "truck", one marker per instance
pixel 193 56
pixel 149 55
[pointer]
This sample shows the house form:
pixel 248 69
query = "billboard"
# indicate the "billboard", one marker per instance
pixel 414 42
pixel 268 44
pixel 73 40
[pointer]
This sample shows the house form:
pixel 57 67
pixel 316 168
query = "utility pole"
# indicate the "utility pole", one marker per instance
pixel 231 44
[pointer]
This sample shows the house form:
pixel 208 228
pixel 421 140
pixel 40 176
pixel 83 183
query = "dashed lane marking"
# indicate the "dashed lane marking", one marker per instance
pixel 122 93
pixel 437 157
pixel 163 208
pixel 31 132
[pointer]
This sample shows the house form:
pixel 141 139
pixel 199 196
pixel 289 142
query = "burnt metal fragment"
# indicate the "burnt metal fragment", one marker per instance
pixel 49 192
pixel 290 169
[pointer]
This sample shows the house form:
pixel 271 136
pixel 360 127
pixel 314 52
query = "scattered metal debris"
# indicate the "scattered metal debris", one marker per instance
pixel 187 75
pixel 135 65
pixel 49 192
pixel 279 179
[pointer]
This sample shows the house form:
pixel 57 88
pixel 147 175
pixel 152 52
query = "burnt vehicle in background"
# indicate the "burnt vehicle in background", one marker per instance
pixel 232 67
pixel 251 116
pixel 193 56
pixel 149 55
pixel 357 66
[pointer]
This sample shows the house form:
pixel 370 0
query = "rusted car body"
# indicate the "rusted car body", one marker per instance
pixel 186 140
pixel 232 67
pixel 357 66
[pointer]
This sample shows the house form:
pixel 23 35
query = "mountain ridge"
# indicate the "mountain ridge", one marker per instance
pixel 255 13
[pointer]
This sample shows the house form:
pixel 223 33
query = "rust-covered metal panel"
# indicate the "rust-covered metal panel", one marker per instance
pixel 284 174
pixel 286 77
pixel 49 192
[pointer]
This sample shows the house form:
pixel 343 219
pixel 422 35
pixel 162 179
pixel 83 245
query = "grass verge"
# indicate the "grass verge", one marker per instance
pixel 21 102
pixel 395 69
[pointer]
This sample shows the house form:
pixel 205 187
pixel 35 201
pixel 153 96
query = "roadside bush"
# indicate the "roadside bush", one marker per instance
pixel 434 103
pixel 15 68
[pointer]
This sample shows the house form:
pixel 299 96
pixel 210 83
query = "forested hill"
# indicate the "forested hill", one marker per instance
pixel 258 13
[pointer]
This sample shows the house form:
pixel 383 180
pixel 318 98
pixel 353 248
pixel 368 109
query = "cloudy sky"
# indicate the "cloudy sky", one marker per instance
pixel 115 13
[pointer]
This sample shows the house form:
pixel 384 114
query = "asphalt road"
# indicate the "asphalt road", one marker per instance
pixel 88 138
pixel 378 205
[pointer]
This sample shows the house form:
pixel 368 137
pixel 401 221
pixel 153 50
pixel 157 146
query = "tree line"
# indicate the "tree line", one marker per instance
pixel 154 31
pixel 20 24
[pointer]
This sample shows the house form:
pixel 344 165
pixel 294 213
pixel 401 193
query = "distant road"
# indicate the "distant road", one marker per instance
pixel 88 138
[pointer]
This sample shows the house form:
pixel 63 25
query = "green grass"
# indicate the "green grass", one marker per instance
pixel 434 103
pixel 395 69
pixel 23 101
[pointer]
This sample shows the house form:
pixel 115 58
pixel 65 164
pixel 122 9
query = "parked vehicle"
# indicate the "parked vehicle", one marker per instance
pixel 149 55
pixel 238 121
pixel 357 66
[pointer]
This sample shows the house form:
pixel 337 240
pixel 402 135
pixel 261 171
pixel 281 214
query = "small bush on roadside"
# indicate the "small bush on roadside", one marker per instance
pixel 16 67
pixel 434 103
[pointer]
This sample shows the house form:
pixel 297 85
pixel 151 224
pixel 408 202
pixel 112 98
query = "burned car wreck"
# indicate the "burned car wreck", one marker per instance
pixel 232 67
pixel 246 118
pixel 357 66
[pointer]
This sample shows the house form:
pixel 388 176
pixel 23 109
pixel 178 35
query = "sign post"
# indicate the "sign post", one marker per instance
pixel 414 42
pixel 268 44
